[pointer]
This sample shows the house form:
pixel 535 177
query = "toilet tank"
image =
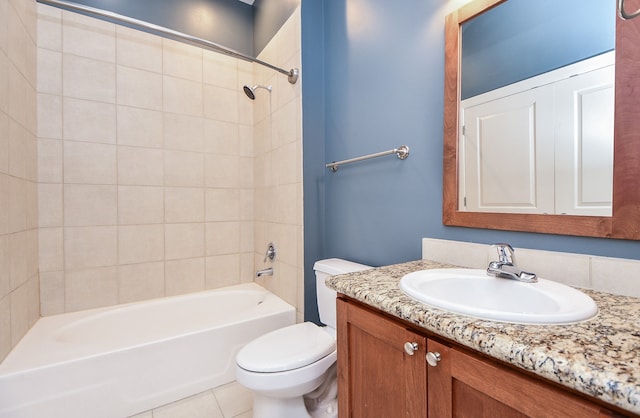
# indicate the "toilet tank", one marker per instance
pixel 327 297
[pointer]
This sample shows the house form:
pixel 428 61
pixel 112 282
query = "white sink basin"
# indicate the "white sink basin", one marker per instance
pixel 474 293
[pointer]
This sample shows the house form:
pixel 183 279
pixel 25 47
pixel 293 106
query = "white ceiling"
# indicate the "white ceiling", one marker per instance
pixel 248 1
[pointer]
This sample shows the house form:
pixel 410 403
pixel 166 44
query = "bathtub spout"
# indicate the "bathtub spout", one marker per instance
pixel 265 272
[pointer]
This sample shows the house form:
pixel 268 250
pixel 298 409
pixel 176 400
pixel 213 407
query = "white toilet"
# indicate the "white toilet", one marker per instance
pixel 292 371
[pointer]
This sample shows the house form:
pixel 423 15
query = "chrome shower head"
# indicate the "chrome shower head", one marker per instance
pixel 251 91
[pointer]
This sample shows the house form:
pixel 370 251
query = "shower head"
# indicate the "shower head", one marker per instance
pixel 251 91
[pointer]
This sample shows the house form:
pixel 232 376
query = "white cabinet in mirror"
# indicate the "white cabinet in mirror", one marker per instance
pixel 543 145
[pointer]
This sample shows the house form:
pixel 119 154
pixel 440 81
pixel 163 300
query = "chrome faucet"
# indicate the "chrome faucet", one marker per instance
pixel 265 272
pixel 506 266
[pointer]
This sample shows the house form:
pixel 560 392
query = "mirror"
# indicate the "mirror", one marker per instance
pixel 624 221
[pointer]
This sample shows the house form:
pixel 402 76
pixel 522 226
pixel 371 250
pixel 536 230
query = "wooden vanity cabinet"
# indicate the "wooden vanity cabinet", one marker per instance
pixel 377 378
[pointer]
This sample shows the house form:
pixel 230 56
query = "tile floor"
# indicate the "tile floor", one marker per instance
pixel 227 401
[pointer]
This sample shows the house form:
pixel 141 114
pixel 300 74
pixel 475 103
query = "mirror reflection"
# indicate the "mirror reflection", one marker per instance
pixel 537 108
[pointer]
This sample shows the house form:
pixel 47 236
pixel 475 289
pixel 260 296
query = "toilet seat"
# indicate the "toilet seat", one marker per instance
pixel 286 349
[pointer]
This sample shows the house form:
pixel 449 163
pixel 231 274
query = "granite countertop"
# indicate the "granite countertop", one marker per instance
pixel 599 357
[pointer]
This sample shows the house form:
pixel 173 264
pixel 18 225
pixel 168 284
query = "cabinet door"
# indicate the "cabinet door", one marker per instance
pixel 465 386
pixel 376 377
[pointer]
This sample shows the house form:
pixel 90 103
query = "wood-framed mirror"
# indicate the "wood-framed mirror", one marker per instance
pixel 625 220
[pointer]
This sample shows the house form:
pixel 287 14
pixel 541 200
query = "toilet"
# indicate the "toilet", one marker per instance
pixel 292 370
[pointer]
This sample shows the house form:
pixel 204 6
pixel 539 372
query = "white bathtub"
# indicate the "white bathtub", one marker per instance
pixel 123 360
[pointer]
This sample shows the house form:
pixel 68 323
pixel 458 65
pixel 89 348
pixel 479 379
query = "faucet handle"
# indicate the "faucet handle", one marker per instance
pixel 271 253
pixel 506 253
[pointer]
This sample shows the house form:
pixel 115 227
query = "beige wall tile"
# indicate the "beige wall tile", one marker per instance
pixel 50 205
pixel 223 238
pixel 222 171
pixel 140 166
pixel 89 79
pixel 184 276
pixel 221 137
pixel 181 60
pixel 139 127
pixel 86 247
pixel 17 204
pixel 87 163
pixel 4 83
pixel 91 288
pixel 88 37
pixel 139 88
pixel 49 116
pixel 245 147
pixel 220 70
pixel 615 275
pixel 140 243
pixel 89 121
pixel 49 161
pixel 222 271
pixel 5 326
pixel 51 245
pixel 33 299
pixel 222 205
pixel 182 96
pixel 140 205
pixel 184 169
pixel 19 313
pixel 52 291
pixel 49 27
pixel 18 92
pixel 222 104
pixel 49 71
pixel 184 205
pixel 5 268
pixel 138 49
pixel 140 281
pixel 4 142
pixel 184 240
pixel 18 138
pixel 183 132
pixel 90 205
pixel 4 203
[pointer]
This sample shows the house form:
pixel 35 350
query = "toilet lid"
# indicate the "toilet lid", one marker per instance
pixel 286 349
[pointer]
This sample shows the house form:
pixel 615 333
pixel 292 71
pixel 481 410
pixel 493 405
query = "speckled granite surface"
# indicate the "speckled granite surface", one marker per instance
pixel 599 357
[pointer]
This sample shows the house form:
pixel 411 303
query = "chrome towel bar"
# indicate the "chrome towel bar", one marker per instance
pixel 402 152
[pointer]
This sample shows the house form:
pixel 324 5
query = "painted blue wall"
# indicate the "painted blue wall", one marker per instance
pixel 383 79
pixel 520 39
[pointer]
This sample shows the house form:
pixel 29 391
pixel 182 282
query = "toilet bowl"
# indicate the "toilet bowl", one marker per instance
pixel 291 371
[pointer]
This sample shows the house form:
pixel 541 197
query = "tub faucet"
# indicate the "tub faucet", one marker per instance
pixel 265 272
pixel 506 266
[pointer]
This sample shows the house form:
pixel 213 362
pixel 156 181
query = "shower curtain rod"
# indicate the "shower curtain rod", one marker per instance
pixel 292 75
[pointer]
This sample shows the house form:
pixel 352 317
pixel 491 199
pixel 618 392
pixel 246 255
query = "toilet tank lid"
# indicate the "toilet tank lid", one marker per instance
pixel 334 266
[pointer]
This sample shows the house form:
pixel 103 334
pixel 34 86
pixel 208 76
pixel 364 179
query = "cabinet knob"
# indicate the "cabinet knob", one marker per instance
pixel 410 347
pixel 433 358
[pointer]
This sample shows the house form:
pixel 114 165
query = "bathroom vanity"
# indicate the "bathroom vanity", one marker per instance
pixel 398 357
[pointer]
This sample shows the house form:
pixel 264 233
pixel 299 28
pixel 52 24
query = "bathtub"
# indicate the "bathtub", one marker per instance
pixel 123 360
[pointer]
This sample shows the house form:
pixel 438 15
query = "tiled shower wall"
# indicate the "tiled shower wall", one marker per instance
pixel 147 165
pixel 145 156
pixel 278 167
pixel 19 299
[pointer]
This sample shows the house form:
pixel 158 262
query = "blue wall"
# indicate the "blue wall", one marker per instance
pixel 382 72
pixel 520 39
